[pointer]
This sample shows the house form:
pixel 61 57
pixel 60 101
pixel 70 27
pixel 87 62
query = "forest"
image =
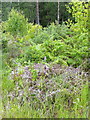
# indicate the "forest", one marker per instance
pixel 44 59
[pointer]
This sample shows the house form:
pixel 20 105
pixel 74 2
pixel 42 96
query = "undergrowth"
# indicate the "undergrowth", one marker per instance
pixel 45 70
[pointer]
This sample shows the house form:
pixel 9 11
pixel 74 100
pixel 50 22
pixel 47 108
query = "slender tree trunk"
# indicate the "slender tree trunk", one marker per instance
pixel 37 12
pixel 11 4
pixel 58 16
pixel 18 6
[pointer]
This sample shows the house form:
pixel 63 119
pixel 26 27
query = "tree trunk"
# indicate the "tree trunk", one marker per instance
pixel 11 5
pixel 18 6
pixel 37 12
pixel 58 16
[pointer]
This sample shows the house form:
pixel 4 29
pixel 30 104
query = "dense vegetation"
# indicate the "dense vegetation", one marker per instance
pixel 45 69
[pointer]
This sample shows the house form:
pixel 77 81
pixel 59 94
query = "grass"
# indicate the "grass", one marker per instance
pixel 65 105
pixel 79 110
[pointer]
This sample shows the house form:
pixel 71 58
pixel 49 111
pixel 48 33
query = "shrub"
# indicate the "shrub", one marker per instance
pixel 33 30
pixel 33 54
pixel 79 40
pixel 58 31
pixel 41 37
pixel 16 23
pixel 52 32
pixel 79 11
pixel 67 52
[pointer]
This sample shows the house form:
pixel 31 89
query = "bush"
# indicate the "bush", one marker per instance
pixel 79 11
pixel 33 30
pixel 58 31
pixel 57 43
pixel 71 51
pixel 16 23
pixel 52 32
pixel 41 37
pixel 33 54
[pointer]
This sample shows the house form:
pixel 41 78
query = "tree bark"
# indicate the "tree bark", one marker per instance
pixel 18 6
pixel 58 16
pixel 37 12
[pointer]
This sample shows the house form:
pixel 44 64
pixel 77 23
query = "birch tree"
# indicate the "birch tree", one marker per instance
pixel 18 6
pixel 37 12
pixel 58 16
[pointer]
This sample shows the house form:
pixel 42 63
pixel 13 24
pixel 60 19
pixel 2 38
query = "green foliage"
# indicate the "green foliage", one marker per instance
pixel 16 23
pixel 79 11
pixel 56 42
pixel 79 40
pixel 54 31
pixel 41 37
pixel 59 48
pixel 71 51
pixel 33 30
pixel 33 53
pixel 27 91
pixel 47 14
pixel 58 31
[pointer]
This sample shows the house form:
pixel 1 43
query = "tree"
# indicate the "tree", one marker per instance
pixel 79 11
pixel 58 16
pixel 43 13
pixel 29 10
pixel 48 12
pixel 37 12
pixel 18 5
